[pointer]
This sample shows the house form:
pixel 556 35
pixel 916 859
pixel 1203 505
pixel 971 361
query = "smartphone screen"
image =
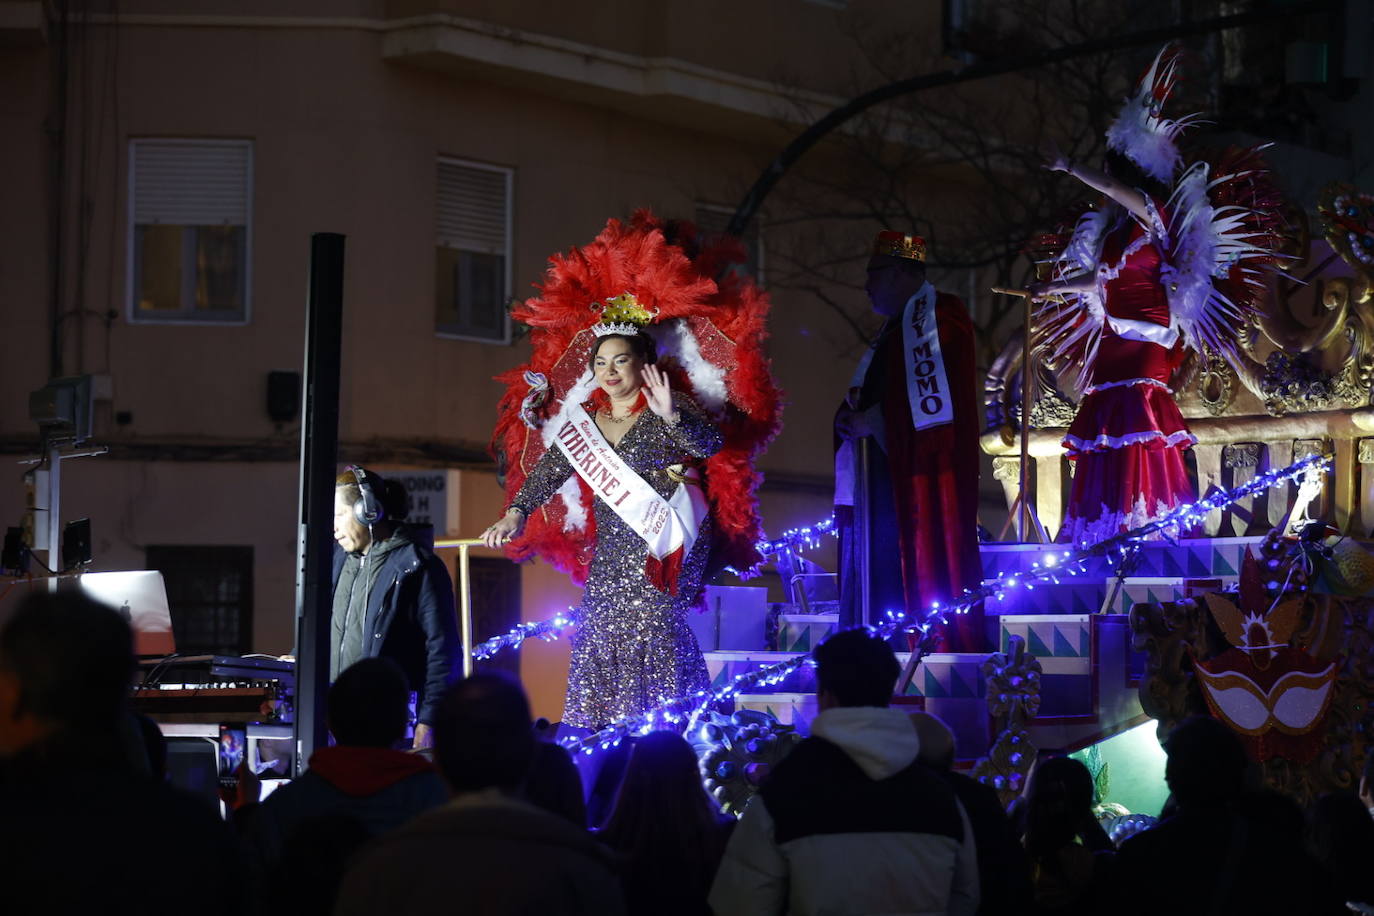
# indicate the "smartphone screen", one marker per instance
pixel 233 745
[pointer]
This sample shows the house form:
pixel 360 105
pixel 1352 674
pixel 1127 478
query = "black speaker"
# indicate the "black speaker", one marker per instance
pixel 76 544
pixel 16 556
pixel 283 395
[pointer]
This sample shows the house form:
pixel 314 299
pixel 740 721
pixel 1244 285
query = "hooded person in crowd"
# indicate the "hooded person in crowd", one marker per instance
pixel 851 821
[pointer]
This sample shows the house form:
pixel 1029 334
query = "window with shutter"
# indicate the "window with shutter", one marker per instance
pixel 472 251
pixel 712 220
pixel 190 230
pixel 210 594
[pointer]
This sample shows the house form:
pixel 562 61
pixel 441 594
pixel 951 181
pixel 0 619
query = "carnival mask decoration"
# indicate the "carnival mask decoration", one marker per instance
pixel 1274 694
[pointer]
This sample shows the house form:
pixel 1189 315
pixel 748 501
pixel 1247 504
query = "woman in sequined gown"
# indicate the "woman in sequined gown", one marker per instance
pixel 633 647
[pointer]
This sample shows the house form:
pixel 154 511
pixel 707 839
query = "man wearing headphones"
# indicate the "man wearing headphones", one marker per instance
pixel 392 596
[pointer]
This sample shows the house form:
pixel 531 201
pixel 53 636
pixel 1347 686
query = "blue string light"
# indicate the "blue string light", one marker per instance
pixel 806 537
pixel 1073 563
pixel 545 629
pixel 802 538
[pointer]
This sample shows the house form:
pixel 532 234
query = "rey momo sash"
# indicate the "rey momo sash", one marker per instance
pixel 927 385
pixel 668 526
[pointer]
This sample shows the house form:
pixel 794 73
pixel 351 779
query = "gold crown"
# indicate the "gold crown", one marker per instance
pixel 621 315
pixel 898 245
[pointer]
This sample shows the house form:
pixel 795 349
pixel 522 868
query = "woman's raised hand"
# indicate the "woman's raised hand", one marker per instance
pixel 505 529
pixel 658 392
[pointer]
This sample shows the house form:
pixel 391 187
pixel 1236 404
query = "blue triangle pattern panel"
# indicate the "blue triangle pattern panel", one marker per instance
pixel 958 687
pixel 1190 557
pixel 954 677
pixel 1072 597
pixel 1062 646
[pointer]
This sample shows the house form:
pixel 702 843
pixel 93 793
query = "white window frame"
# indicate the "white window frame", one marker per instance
pixel 760 271
pixel 508 173
pixel 131 313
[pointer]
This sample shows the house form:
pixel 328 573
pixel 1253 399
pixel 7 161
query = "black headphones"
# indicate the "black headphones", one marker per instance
pixel 368 509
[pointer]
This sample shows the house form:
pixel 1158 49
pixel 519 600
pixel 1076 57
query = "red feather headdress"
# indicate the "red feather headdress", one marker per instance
pixel 709 328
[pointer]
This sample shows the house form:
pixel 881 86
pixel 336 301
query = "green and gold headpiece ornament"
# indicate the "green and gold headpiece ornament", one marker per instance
pixel 621 314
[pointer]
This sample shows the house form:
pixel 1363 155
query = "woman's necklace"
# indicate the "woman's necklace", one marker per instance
pixel 609 413
pixel 612 418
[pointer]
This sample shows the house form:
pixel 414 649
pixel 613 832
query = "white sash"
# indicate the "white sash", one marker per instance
pixel 666 525
pixel 927 387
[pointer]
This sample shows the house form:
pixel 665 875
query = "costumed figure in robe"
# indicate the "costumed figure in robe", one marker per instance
pixel 1173 260
pixel 627 445
pixel 914 398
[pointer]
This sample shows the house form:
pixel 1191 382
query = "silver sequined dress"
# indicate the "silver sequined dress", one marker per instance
pixel 633 648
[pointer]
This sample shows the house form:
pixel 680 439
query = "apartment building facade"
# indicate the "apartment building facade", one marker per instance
pixel 165 165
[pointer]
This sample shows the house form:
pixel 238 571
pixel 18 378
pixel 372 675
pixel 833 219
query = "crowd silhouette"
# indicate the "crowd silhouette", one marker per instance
pixel 868 815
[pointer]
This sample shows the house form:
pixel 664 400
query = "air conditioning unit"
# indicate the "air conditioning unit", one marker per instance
pixel 63 408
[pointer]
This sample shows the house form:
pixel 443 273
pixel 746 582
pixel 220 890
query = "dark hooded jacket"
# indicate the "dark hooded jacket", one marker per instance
pixel 379 788
pixel 484 853
pixel 411 619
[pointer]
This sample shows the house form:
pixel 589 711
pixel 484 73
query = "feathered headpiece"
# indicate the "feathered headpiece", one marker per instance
pixel 1219 236
pixel 708 327
pixel 1140 132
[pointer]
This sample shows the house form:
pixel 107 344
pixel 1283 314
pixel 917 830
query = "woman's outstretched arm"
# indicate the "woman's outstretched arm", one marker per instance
pixel 1128 197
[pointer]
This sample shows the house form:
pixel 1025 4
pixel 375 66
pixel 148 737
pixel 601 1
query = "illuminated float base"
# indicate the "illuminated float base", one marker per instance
pixel 1093 670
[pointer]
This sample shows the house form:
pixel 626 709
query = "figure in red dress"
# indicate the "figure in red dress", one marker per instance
pixel 1128 437
pixel 1169 262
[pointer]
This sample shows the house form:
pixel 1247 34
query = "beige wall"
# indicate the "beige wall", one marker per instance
pixel 352 150
pixel 345 141
pixel 798 43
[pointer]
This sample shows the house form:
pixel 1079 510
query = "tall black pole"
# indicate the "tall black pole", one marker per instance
pixel 319 457
pixel 57 198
